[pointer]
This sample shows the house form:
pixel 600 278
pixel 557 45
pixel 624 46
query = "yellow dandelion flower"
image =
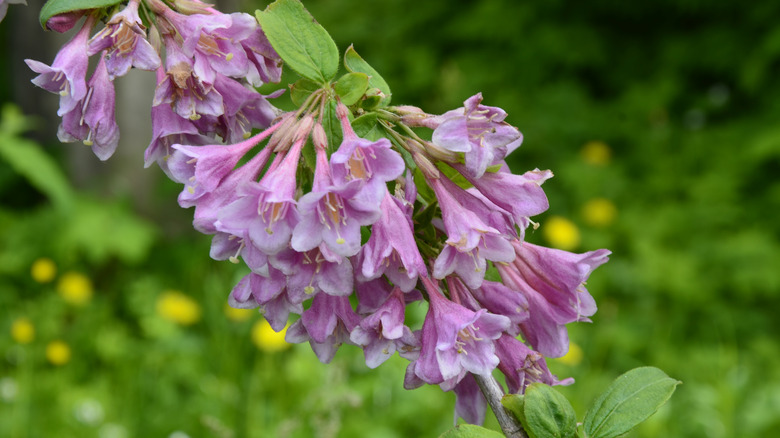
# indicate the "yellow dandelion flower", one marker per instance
pixel 596 153
pixel 561 233
pixel 75 288
pixel 573 356
pixel 238 315
pixel 266 339
pixel 22 331
pixel 43 270
pixel 599 212
pixel 58 353
pixel 177 307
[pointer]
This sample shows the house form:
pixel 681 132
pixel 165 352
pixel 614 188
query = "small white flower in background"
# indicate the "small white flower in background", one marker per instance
pixel 9 389
pixel 89 412
pixel 112 430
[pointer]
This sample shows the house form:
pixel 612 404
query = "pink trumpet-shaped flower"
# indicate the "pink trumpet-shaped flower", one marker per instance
pixel 67 74
pixel 124 39
pixel 93 121
pixel 456 340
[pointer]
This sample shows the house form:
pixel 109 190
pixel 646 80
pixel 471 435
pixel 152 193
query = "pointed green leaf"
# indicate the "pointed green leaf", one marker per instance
pixel 304 45
pixel 56 7
pixel 547 413
pixel 367 126
pixel 351 87
pixel 470 431
pixel 354 63
pixel 630 400
pixel 332 126
pixel 302 89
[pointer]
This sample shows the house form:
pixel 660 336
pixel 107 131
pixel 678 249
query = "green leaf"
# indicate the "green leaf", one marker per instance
pixel 548 414
pixel 28 159
pixel 108 229
pixel 454 175
pixel 301 90
pixel 629 400
pixel 351 87
pixel 303 44
pixel 470 431
pixel 332 126
pixel 56 7
pixel 354 63
pixel 424 191
pixel 367 126
pixel 514 404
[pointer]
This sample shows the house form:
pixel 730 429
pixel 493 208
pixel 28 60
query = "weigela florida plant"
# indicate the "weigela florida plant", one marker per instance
pixel 347 209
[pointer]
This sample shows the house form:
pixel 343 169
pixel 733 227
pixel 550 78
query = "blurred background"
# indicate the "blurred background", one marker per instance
pixel 660 120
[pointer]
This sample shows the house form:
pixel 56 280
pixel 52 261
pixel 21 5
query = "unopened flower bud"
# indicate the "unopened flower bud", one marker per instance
pixel 190 7
pixel 426 167
pixel 440 153
pixel 283 135
pixel 64 22
pixel 319 138
pixel 304 128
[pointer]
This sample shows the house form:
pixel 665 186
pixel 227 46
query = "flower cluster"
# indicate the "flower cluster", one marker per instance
pixel 348 242
pixel 207 65
pixel 342 231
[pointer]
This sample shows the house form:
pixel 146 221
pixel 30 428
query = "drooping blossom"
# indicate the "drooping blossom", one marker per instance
pixel 212 41
pixel 93 121
pixel 124 40
pixel 267 209
pixel 332 214
pixel 378 331
pixel 470 241
pixel 314 271
pixel 209 204
pixel 520 195
pixel 244 109
pixel 189 95
pixel 470 403
pixel 201 167
pixel 391 249
pixel 67 74
pixel 501 300
pixel 522 366
pixel 327 325
pixel 552 281
pixel 373 162
pixel 456 340
pixel 265 65
pixel 479 132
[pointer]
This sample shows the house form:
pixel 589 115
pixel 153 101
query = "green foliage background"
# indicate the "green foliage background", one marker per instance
pixel 685 93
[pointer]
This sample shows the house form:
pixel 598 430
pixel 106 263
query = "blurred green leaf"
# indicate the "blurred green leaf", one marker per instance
pixel 302 43
pixel 29 160
pixel 103 230
pixel 629 400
